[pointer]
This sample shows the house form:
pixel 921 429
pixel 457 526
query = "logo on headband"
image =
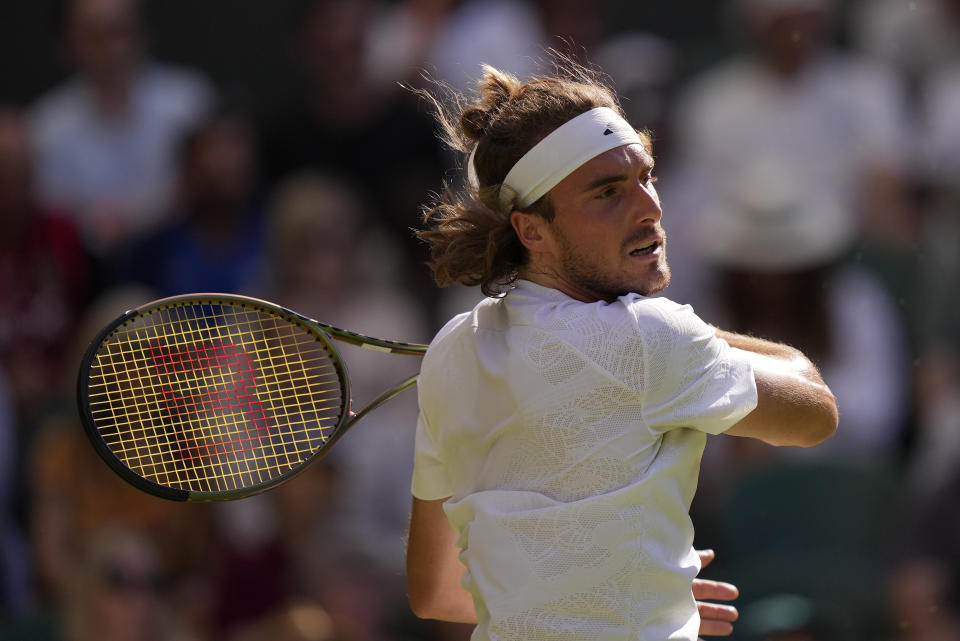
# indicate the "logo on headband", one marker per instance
pixel 612 127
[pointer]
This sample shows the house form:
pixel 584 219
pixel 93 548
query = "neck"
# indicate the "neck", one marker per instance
pixel 219 221
pixel 112 97
pixel 788 64
pixel 553 279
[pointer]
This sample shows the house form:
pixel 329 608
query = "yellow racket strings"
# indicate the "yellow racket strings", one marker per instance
pixel 213 397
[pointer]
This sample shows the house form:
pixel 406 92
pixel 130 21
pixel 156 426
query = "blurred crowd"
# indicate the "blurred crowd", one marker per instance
pixel 808 154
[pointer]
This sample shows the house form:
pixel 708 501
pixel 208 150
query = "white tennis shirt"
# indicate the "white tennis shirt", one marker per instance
pixel 568 437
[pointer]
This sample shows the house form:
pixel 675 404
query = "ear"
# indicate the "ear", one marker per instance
pixel 531 230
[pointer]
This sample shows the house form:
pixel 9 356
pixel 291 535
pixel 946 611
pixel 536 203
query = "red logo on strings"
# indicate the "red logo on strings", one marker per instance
pixel 210 391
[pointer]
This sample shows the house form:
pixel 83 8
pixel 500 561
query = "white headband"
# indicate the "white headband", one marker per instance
pixel 560 153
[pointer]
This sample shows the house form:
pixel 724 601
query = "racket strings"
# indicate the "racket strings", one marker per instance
pixel 214 398
pixel 217 449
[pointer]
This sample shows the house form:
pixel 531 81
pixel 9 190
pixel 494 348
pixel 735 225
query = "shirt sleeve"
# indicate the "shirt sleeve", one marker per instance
pixel 692 378
pixel 430 479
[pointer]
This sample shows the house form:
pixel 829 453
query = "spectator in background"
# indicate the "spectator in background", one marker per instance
pixel 507 34
pixel 913 37
pixel 360 597
pixel 106 138
pixel 43 274
pixel 402 36
pixel 924 588
pixel 117 591
pixel 450 40
pixel 511 35
pixel 342 113
pixel 794 116
pixel 922 39
pixel 253 570
pixel 932 480
pixel 71 494
pixel 214 243
pixel 779 152
pixel 329 261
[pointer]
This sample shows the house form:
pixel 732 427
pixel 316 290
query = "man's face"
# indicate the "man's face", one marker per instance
pixel 220 169
pixel 105 37
pixel 791 37
pixel 606 235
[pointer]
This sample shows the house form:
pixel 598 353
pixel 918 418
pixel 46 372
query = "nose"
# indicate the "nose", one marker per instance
pixel 646 204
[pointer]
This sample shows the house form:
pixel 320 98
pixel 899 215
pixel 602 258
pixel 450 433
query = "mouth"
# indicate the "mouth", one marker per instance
pixel 648 247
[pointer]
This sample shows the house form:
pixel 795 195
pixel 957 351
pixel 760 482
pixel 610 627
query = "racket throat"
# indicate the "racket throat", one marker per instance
pixel 397 389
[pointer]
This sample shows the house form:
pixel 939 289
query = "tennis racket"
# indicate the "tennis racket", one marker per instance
pixel 212 397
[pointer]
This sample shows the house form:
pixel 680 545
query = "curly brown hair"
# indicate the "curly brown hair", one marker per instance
pixel 472 241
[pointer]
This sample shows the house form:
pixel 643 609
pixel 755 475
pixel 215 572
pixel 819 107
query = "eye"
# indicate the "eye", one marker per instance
pixel 649 178
pixel 606 193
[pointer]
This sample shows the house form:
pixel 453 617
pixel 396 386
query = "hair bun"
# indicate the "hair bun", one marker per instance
pixel 474 121
pixel 495 88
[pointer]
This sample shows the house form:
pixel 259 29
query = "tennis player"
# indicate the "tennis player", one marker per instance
pixel 562 423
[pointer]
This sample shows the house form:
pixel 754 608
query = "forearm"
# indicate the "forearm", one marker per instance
pixel 436 592
pixel 454 606
pixel 794 406
pixel 434 570
pixel 759 345
pixel 791 358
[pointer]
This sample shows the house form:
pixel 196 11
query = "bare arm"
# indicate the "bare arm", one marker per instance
pixel 794 405
pixel 434 569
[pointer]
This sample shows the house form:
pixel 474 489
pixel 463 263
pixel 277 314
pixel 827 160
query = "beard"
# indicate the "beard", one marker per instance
pixel 583 268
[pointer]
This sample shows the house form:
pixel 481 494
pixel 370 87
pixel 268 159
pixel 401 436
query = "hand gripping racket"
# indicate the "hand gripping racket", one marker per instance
pixel 210 397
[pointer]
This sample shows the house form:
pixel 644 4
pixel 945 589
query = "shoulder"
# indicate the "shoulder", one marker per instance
pixel 165 76
pixel 465 337
pixel 59 110
pixel 585 323
pixel 671 334
pixel 661 315
pixel 446 360
pixel 487 315
pixel 177 90
pixel 452 331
